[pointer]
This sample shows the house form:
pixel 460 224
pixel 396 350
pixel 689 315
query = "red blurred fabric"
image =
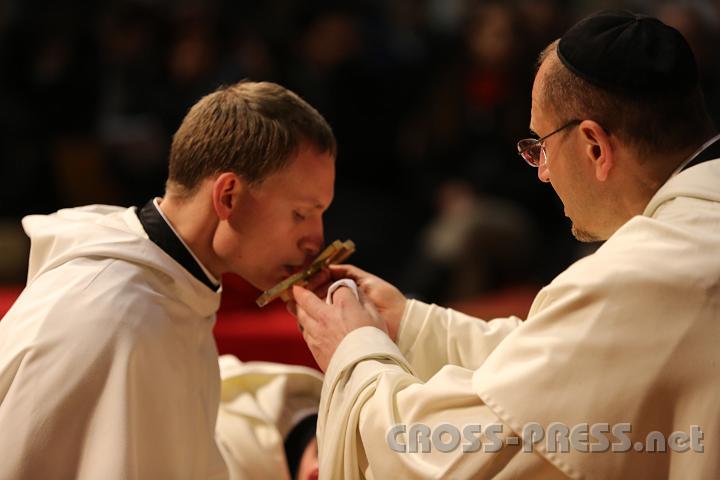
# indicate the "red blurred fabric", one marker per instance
pixel 515 300
pixel 8 295
pixel 253 333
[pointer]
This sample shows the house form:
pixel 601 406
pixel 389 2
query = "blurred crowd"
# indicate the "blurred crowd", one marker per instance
pixel 427 99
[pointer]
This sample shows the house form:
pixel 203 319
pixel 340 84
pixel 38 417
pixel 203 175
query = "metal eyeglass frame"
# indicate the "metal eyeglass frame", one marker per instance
pixel 527 146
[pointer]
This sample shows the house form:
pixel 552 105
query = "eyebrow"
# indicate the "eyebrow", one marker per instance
pixel 314 204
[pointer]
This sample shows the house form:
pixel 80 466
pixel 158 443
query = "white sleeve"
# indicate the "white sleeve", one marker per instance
pixel 369 389
pixel 431 337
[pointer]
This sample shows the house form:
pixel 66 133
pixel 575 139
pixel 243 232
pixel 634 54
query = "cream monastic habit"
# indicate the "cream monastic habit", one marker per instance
pixel 108 367
pixel 629 334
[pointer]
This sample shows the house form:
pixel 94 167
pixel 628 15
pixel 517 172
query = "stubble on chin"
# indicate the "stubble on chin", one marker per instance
pixel 583 235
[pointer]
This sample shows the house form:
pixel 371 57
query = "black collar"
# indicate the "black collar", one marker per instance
pixel 164 237
pixel 711 152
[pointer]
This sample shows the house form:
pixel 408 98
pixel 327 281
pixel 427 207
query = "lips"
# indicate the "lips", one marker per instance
pixel 290 270
pixel 293 269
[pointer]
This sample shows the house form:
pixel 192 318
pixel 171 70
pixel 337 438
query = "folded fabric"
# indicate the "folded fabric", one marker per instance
pixel 261 404
pixel 345 282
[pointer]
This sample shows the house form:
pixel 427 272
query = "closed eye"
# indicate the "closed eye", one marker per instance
pixel 298 217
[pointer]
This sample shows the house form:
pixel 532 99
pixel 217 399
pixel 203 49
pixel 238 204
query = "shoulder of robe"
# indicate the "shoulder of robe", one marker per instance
pixel 641 256
pixel 117 302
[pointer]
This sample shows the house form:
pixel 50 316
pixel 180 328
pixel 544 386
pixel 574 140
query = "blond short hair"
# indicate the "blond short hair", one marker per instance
pixel 250 128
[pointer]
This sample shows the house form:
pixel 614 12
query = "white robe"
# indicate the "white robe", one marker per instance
pixel 108 366
pixel 260 404
pixel 630 334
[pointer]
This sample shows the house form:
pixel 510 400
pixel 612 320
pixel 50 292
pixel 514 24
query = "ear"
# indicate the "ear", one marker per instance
pixel 226 191
pixel 598 148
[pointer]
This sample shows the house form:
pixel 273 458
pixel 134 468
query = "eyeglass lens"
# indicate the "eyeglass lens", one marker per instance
pixel 530 149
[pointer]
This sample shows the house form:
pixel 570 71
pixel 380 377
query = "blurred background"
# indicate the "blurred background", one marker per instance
pixel 427 99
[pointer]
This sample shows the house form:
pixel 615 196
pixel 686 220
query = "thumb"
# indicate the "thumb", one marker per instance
pixel 343 270
pixel 307 300
pixel 367 304
pixel 344 296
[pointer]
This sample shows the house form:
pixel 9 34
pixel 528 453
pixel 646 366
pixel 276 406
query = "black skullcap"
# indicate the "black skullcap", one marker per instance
pixel 624 52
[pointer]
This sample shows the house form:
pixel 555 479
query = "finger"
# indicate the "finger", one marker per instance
pixel 302 319
pixel 368 304
pixel 320 282
pixel 348 271
pixel 321 292
pixel 311 304
pixel 319 279
pixel 306 324
pixel 363 298
pixel 370 308
pixel 344 296
pixel 291 307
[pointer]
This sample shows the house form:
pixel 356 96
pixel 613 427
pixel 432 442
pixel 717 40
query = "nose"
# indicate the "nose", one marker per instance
pixel 543 172
pixel 313 240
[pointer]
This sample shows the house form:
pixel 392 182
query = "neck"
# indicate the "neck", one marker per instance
pixel 195 221
pixel 644 179
pixel 641 178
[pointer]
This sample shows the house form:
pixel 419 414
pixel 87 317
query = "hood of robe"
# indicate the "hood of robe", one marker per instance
pixel 103 231
pixel 260 403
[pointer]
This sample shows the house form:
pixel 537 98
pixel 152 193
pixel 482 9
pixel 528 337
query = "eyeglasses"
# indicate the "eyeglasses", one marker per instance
pixel 530 149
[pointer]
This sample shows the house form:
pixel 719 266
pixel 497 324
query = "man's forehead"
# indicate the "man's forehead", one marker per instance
pixel 298 194
pixel 315 195
pixel 536 105
pixel 306 181
pixel 312 202
pixel 533 113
